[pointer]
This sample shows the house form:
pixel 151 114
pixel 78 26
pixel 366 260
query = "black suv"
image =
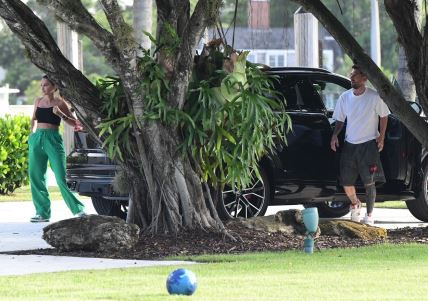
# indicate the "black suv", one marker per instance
pixel 305 171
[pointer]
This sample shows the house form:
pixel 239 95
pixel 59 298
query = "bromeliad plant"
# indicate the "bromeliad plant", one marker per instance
pixel 237 115
pixel 229 122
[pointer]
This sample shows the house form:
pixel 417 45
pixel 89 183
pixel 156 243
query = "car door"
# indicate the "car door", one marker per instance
pixel 306 159
pixel 330 87
pixel 400 156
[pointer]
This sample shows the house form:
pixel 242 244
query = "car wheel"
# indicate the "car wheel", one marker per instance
pixel 248 202
pixel 332 209
pixel 109 207
pixel 419 206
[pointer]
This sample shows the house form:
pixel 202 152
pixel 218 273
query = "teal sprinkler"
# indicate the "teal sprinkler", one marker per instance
pixel 310 220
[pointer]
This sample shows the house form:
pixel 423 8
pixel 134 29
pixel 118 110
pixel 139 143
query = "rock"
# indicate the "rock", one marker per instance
pixel 264 223
pixel 350 229
pixel 92 233
pixel 289 217
pixel 287 221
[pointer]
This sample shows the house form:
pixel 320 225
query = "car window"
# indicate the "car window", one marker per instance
pixel 299 93
pixel 329 92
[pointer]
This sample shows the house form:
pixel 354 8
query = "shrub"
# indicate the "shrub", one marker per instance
pixel 14 133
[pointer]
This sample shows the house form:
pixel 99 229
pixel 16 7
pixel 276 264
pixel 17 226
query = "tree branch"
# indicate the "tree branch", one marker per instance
pixel 75 15
pixel 205 13
pixel 121 30
pixel 410 38
pixel 389 94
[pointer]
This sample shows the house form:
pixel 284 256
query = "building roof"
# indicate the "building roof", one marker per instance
pixel 272 38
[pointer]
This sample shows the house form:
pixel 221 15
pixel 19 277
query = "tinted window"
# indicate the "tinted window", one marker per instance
pixel 299 93
pixel 329 92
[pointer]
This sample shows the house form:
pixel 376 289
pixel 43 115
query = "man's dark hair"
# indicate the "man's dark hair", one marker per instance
pixel 356 67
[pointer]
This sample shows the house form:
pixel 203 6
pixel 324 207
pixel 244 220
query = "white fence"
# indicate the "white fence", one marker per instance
pixel 26 110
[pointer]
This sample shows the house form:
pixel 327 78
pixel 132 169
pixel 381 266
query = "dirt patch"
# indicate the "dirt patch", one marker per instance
pixel 197 243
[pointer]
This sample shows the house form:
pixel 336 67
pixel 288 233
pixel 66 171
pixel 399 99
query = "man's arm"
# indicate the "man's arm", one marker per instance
pixel 334 141
pixel 382 129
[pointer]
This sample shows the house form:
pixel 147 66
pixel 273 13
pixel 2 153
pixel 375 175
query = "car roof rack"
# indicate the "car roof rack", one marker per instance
pixel 298 69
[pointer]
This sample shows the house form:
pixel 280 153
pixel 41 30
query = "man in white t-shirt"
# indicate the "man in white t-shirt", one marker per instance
pixel 366 119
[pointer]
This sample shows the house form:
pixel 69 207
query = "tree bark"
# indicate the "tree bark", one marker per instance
pixel 414 43
pixel 407 30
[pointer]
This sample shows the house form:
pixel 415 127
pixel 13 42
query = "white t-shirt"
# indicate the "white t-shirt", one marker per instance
pixel 362 113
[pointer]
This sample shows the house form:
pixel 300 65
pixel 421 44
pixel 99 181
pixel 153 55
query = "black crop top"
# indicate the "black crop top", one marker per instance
pixel 46 115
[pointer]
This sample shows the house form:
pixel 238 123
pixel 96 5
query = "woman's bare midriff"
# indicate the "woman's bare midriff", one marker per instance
pixel 47 126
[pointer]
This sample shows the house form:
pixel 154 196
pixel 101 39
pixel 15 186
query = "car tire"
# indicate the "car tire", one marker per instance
pixel 419 206
pixel 332 209
pixel 109 207
pixel 248 202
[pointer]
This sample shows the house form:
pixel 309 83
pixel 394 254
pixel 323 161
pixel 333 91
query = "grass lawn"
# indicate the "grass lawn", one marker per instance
pixel 24 194
pixel 391 205
pixel 383 272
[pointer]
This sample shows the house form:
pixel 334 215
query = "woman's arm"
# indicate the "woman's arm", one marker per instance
pixel 63 111
pixel 33 118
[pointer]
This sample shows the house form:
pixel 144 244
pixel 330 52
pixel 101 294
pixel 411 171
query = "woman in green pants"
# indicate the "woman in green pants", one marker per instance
pixel 45 144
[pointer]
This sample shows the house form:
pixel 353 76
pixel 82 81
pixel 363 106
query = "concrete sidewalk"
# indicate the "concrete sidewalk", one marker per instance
pixel 17 233
pixel 31 264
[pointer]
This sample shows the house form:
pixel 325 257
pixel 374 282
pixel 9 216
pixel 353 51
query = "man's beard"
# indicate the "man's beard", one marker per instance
pixel 355 85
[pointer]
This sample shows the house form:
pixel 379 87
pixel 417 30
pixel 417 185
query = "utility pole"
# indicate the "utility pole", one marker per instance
pixel 306 39
pixel 375 33
pixel 143 22
pixel 68 42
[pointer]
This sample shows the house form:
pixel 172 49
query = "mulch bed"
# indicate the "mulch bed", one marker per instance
pixel 197 243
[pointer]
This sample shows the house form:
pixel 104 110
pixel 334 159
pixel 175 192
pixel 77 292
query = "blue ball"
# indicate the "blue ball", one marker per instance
pixel 181 282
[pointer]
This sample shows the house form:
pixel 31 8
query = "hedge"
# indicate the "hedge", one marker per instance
pixel 14 133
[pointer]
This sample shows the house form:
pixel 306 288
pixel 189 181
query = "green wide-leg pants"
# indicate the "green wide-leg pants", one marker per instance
pixel 44 145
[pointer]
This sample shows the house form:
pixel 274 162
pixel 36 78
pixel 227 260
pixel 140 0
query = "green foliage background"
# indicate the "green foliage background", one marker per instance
pixel 14 133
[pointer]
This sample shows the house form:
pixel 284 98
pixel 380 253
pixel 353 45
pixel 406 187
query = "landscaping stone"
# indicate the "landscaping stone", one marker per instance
pixel 287 221
pixel 291 222
pixel 350 229
pixel 92 233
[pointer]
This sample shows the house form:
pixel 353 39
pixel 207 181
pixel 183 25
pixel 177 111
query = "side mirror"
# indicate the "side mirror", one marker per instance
pixel 415 106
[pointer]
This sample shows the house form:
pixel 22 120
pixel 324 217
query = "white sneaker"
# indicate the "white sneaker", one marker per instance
pixel 355 212
pixel 39 219
pixel 81 214
pixel 368 220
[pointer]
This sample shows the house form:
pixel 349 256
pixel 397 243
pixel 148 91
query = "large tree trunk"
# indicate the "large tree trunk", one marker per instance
pixel 175 199
pixel 414 45
pixel 166 193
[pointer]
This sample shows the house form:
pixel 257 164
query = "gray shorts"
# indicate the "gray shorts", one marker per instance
pixel 356 160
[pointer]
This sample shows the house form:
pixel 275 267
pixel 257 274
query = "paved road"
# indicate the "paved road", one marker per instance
pixel 385 218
